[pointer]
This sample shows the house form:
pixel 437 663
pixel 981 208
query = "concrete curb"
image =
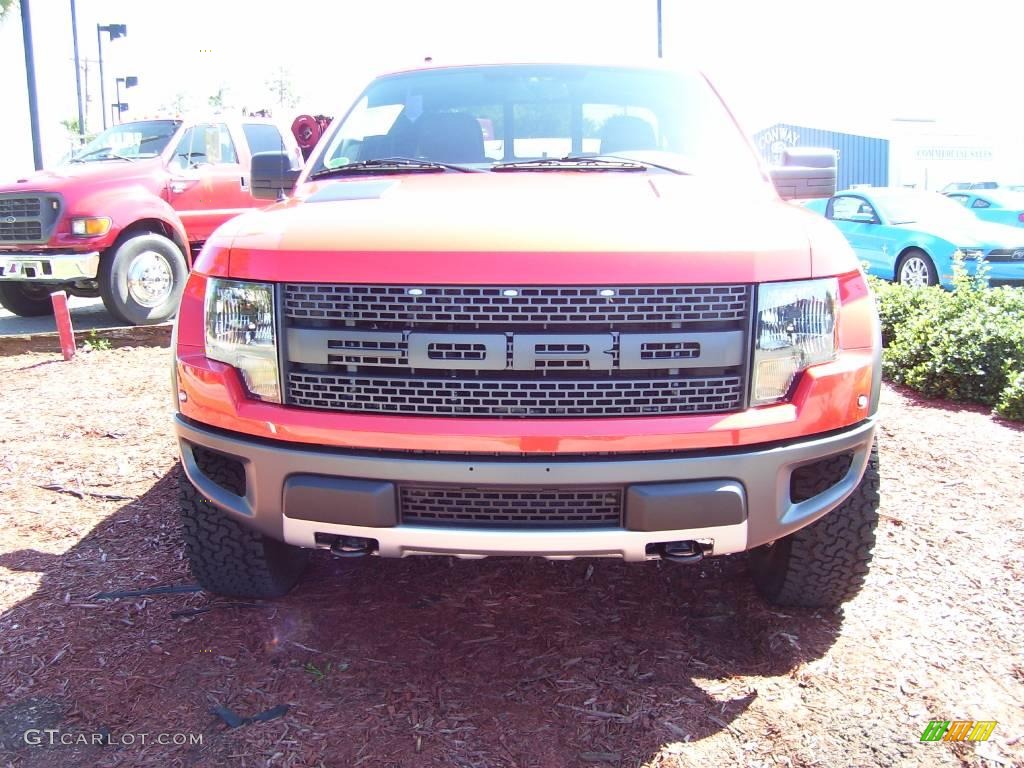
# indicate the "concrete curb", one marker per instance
pixel 130 336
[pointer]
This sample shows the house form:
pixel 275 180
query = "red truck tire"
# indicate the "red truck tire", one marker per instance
pixel 824 564
pixel 227 558
pixel 26 299
pixel 141 279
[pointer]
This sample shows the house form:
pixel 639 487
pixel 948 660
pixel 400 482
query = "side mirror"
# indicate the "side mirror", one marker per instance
pixel 273 175
pixel 805 173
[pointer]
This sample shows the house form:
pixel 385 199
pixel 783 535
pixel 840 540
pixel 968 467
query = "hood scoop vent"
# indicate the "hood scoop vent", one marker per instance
pixel 351 190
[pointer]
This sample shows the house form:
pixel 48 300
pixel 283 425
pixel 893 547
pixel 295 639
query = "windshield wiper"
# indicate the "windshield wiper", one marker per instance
pixel 585 163
pixel 403 164
pixel 111 155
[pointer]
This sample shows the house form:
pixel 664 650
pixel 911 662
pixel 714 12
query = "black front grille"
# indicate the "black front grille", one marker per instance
pixel 382 306
pixel 21 207
pixel 537 397
pixel 28 219
pixel 1006 254
pixel 455 506
pixel 16 231
pixel 352 349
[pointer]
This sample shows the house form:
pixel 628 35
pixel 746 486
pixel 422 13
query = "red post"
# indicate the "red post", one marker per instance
pixel 64 328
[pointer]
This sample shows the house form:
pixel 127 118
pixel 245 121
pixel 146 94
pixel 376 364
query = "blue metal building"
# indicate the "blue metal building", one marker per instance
pixel 862 159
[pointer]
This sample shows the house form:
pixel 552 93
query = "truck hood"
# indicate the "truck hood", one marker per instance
pixel 524 227
pixel 89 174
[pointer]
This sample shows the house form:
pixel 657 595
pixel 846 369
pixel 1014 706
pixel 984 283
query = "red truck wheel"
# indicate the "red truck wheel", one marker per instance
pixel 824 564
pixel 142 280
pixel 26 299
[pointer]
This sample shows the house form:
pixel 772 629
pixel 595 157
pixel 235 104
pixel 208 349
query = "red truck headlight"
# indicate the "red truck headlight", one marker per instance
pixel 240 331
pixel 795 329
pixel 90 226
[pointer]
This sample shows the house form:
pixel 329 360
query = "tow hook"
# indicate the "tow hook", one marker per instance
pixel 352 546
pixel 683 551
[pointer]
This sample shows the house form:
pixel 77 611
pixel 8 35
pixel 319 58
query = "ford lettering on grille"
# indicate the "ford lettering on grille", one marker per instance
pixel 516 351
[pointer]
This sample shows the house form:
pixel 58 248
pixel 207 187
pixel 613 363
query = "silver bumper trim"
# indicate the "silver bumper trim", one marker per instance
pixel 49 267
pixel 405 540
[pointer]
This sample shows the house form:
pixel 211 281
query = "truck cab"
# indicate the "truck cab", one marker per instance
pixel 122 217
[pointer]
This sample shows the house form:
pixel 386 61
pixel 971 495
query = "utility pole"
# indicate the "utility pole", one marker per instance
pixel 30 79
pixel 115 31
pixel 659 30
pixel 78 74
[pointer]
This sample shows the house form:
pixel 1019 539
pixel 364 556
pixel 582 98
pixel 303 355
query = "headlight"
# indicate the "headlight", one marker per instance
pixel 240 332
pixel 795 329
pixel 90 226
pixel 971 253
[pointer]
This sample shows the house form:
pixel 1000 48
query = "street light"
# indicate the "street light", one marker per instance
pixel 115 31
pixel 117 108
pixel 130 81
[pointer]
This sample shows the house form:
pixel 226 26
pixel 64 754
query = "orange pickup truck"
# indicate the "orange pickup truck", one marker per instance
pixel 123 216
pixel 543 310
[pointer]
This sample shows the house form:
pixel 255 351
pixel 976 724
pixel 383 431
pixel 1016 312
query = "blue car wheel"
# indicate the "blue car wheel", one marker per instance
pixel 916 269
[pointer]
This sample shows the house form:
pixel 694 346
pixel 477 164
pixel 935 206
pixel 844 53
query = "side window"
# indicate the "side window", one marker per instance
pixel 852 209
pixel 262 137
pixel 962 199
pixel 979 203
pixel 205 144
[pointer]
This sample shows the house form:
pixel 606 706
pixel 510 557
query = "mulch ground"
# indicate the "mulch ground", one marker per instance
pixel 501 662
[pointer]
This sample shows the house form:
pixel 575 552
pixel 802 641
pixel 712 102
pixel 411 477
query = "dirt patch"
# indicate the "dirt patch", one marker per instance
pixel 499 662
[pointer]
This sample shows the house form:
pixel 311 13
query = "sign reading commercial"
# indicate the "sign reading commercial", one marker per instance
pixel 954 153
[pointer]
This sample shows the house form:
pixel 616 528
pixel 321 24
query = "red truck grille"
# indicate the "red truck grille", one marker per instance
pixel 516 351
pixel 440 505
pixel 28 219
pixel 475 306
pixel 550 398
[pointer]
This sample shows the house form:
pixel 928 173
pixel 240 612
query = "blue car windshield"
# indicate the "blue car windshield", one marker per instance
pixel 485 116
pixel 923 206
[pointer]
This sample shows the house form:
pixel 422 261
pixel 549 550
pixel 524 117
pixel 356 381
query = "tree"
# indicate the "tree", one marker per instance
pixel 280 85
pixel 218 99
pixel 5 6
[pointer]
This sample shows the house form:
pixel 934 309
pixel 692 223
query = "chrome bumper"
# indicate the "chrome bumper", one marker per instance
pixel 49 267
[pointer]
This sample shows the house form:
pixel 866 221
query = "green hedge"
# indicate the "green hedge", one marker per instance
pixel 965 345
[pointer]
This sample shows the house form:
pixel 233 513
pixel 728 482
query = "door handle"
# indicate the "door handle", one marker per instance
pixel 245 183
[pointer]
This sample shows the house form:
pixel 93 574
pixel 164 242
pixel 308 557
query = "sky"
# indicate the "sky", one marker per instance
pixel 849 66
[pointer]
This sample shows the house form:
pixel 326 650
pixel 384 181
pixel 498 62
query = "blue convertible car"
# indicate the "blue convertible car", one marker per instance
pixel 1002 207
pixel 910 236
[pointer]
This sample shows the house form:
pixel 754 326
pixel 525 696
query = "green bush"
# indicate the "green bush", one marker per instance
pixel 1011 401
pixel 965 345
pixel 897 304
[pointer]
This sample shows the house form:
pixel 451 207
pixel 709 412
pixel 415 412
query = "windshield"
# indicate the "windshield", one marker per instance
pixel 925 206
pixel 147 138
pixel 486 116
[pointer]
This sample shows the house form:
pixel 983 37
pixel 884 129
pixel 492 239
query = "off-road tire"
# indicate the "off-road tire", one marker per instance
pixel 115 270
pixel 227 558
pixel 824 564
pixel 26 299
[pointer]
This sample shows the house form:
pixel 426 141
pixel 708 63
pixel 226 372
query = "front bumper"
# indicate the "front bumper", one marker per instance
pixel 49 267
pixel 685 487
